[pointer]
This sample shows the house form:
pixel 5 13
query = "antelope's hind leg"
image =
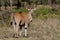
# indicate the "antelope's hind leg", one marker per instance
pixel 15 30
pixel 14 26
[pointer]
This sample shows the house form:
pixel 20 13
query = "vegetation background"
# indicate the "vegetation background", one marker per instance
pixel 45 24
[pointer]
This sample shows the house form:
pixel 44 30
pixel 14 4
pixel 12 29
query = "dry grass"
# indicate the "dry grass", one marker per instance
pixel 48 29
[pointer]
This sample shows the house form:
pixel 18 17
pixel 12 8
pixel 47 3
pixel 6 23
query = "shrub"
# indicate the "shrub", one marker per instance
pixel 42 11
pixel 46 12
pixel 21 10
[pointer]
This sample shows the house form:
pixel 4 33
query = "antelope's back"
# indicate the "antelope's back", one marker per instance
pixel 24 16
pixel 16 16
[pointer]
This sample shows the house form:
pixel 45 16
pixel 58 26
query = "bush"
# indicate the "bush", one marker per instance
pixel 58 1
pixel 46 12
pixel 42 11
pixel 21 10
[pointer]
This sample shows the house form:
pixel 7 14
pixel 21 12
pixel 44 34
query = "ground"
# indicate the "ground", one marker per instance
pixel 47 29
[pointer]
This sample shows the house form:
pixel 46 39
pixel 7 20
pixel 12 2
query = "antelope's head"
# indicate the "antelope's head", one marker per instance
pixel 31 11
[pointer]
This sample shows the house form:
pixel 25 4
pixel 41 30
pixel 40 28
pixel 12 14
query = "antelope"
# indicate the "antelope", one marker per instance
pixel 20 19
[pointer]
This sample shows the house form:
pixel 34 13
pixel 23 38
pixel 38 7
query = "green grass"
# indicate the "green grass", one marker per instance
pixel 44 13
pixel 21 10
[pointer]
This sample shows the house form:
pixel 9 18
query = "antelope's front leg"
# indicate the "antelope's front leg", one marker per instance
pixel 20 30
pixel 14 26
pixel 26 29
pixel 17 27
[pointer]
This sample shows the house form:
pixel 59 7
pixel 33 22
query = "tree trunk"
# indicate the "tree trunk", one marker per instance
pixel 18 4
pixel 53 4
pixel 49 2
pixel 5 5
pixel 43 1
pixel 11 4
pixel 0 4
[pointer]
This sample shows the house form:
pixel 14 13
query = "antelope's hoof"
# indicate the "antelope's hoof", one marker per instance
pixel 15 36
pixel 25 36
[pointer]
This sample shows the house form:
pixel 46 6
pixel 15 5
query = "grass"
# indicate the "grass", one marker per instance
pixel 39 30
pixel 21 10
pixel 44 13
